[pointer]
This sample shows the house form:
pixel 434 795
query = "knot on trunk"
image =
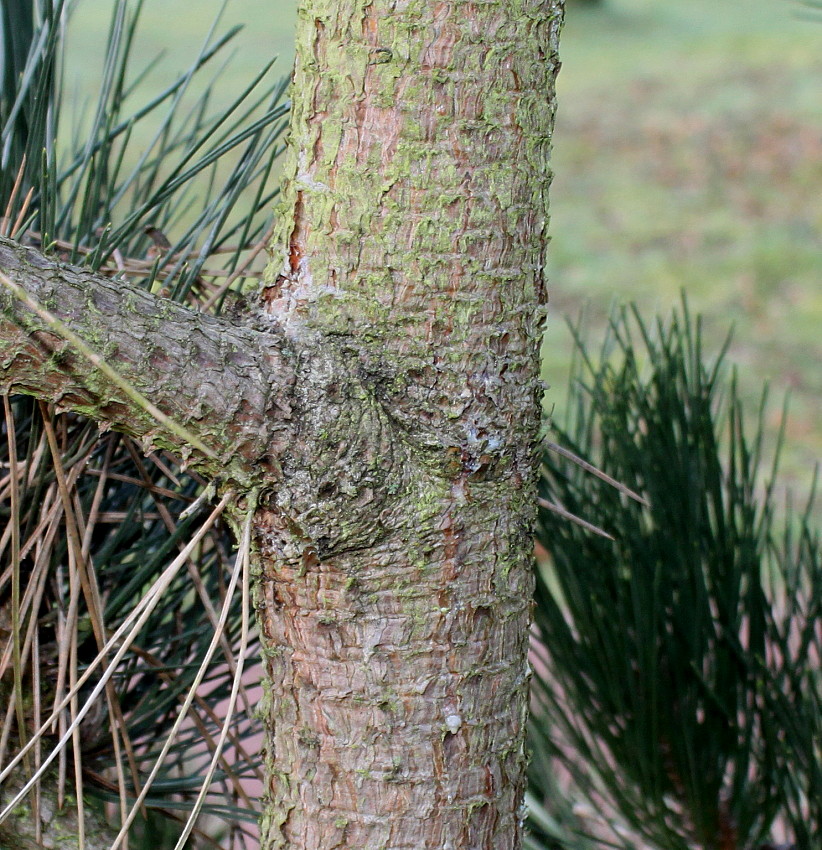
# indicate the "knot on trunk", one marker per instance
pixel 334 482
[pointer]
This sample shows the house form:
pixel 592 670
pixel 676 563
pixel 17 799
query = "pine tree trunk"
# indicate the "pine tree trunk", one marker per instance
pixel 396 616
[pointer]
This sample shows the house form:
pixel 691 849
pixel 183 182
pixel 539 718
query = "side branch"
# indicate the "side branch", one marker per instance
pixel 58 827
pixel 196 384
pixel 286 412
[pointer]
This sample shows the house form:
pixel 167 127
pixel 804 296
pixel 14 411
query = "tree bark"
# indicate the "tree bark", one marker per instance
pixel 384 406
pixel 414 243
pixel 59 827
pixel 216 380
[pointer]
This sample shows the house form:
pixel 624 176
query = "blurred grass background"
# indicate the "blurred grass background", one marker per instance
pixel 688 156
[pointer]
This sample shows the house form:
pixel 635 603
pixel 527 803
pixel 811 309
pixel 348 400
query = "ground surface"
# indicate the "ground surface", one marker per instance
pixel 689 156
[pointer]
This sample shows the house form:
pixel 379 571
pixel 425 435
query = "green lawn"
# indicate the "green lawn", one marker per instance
pixel 176 28
pixel 687 156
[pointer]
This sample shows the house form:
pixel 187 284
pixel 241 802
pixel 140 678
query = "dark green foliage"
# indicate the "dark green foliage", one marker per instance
pixel 201 182
pixel 28 96
pixel 96 196
pixel 135 531
pixel 677 667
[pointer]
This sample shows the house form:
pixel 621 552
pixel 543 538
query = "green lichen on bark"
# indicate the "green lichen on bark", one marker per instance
pixel 375 244
pixel 59 827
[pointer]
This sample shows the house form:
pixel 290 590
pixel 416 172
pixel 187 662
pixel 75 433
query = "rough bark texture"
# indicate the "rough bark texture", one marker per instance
pixel 225 383
pixel 384 406
pixel 59 828
pixel 415 245
pixel 269 408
